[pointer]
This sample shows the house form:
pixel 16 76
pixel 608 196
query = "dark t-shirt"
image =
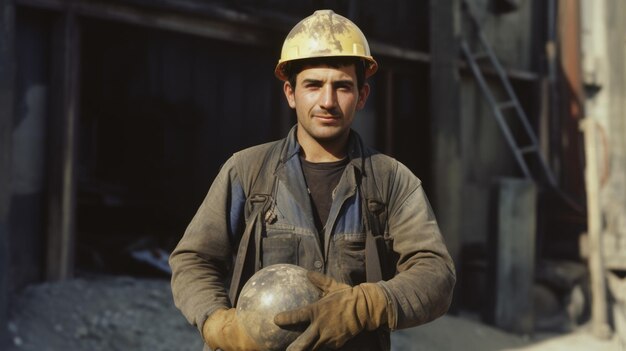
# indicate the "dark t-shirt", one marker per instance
pixel 321 180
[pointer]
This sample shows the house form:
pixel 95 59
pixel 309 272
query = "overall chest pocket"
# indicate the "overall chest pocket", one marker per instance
pixel 280 245
pixel 350 251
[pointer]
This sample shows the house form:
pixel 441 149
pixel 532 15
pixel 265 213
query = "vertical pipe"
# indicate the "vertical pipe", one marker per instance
pixel 599 317
pixel 61 203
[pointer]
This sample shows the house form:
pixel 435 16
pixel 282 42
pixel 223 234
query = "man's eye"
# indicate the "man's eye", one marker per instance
pixel 344 87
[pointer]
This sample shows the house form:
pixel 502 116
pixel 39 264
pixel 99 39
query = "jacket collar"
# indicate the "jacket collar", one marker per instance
pixel 356 150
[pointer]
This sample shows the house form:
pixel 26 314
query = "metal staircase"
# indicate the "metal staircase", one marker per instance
pixel 522 153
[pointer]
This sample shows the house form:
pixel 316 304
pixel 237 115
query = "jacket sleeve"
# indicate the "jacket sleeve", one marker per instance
pixel 421 291
pixel 202 259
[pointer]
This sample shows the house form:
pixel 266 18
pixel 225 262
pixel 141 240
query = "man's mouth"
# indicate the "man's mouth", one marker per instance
pixel 326 118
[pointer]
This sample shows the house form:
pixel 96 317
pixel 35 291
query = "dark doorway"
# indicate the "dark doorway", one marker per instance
pixel 160 112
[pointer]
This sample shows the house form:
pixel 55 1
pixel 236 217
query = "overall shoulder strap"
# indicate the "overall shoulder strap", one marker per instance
pixel 256 167
pixel 259 183
pixel 377 264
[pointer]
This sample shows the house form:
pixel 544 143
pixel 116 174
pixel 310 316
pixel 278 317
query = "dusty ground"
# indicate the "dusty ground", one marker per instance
pixel 124 313
pixel 452 333
pixel 104 313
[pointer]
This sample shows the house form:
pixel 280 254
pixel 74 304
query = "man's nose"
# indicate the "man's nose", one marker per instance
pixel 328 99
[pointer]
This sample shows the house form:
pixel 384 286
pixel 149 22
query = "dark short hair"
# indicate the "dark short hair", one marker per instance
pixel 292 68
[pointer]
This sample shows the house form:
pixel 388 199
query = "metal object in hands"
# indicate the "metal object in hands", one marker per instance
pixel 271 290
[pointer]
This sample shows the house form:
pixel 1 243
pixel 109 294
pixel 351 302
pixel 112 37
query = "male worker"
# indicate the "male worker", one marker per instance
pixel 358 220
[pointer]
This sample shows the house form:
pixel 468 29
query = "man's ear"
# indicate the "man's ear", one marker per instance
pixel 289 94
pixel 363 94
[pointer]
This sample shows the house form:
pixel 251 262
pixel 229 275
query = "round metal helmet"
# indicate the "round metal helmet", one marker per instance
pixel 273 289
pixel 325 34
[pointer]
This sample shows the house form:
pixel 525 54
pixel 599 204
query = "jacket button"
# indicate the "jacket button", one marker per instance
pixel 318 264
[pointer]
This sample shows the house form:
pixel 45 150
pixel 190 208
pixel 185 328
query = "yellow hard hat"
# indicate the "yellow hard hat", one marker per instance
pixel 325 34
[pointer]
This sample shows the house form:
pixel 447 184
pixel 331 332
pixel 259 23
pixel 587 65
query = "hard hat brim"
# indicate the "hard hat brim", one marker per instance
pixel 281 72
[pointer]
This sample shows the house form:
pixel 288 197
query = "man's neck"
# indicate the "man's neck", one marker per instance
pixel 325 151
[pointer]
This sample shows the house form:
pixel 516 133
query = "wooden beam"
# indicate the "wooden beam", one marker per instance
pixel 222 23
pixel 189 23
pixel 392 51
pixel 7 79
pixel 62 150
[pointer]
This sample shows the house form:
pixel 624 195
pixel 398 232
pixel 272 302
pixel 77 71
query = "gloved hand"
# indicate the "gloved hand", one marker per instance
pixel 223 331
pixel 341 313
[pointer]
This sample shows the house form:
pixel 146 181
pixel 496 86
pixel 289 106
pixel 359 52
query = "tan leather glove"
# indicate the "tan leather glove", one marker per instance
pixel 341 313
pixel 222 331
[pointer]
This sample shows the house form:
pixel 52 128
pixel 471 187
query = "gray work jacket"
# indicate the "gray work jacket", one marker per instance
pixel 421 289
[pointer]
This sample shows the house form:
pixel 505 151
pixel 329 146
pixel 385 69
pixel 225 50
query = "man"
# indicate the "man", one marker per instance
pixel 358 220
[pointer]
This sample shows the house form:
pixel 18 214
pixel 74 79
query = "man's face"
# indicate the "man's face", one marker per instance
pixel 325 99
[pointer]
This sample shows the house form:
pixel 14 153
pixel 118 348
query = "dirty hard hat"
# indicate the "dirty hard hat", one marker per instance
pixel 273 289
pixel 325 34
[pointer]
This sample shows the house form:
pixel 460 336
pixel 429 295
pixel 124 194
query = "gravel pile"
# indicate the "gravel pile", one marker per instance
pixel 101 313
